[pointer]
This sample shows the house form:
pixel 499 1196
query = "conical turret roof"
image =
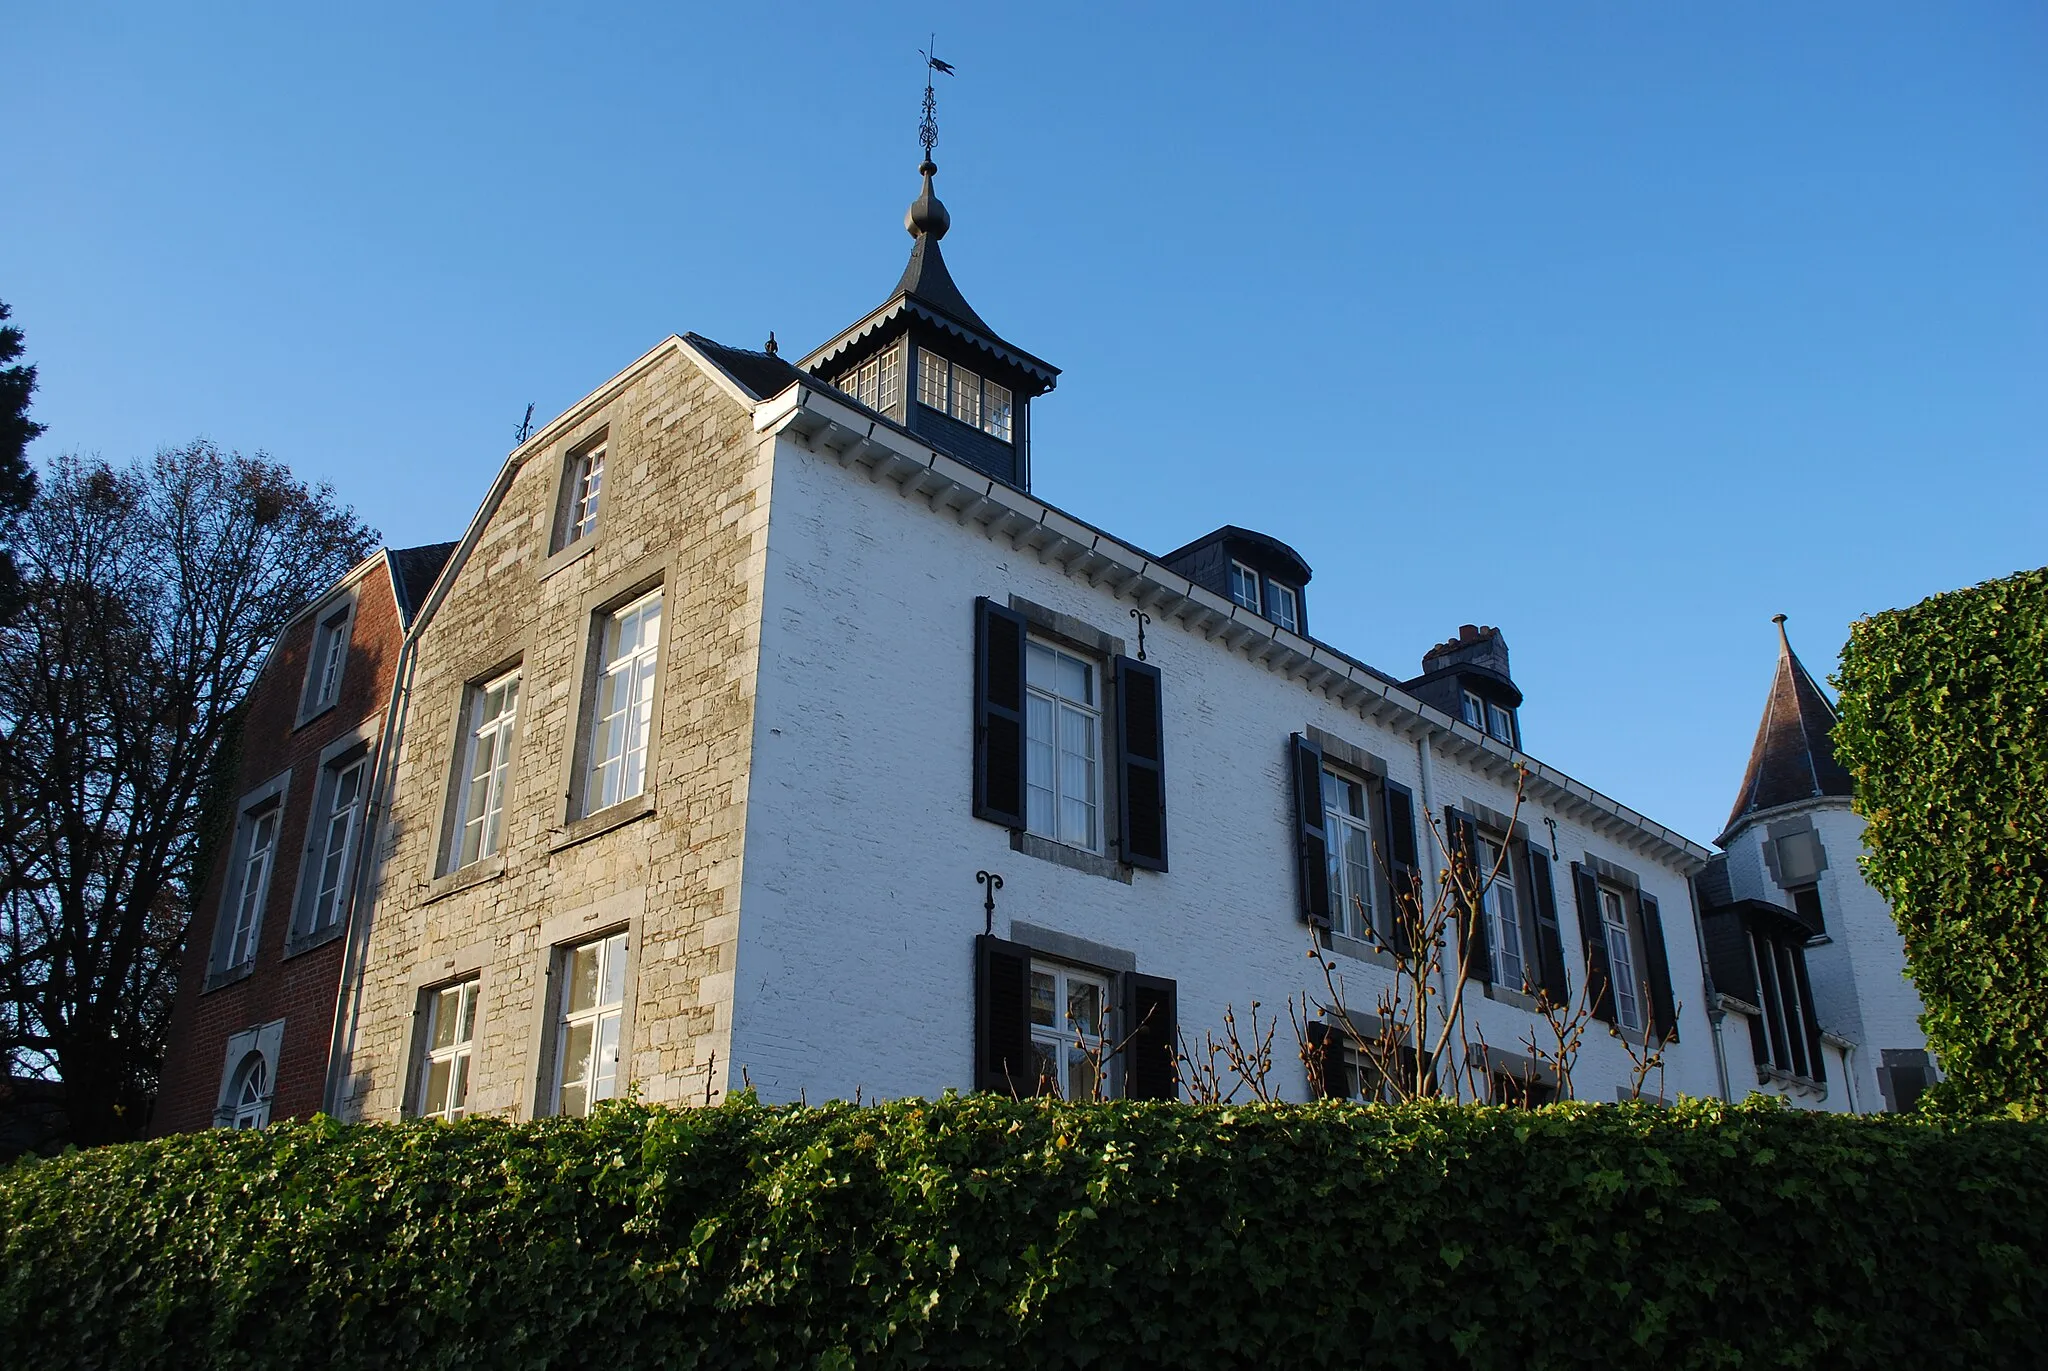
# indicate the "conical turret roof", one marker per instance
pixel 1794 755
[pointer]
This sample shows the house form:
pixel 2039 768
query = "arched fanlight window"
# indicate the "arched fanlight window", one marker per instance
pixel 251 1096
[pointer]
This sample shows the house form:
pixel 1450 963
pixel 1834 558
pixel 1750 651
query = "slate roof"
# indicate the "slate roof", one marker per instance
pixel 1794 756
pixel 760 374
pixel 413 571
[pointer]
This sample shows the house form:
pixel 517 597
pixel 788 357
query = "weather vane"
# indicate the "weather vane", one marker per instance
pixel 928 127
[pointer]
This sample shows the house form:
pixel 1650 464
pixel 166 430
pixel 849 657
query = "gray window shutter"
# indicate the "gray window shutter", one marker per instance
pixel 1663 1005
pixel 998 714
pixel 1402 867
pixel 1002 1017
pixel 1311 841
pixel 1141 764
pixel 1154 1030
pixel 1550 974
pixel 1599 987
pixel 1472 943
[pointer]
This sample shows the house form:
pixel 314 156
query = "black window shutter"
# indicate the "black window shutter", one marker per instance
pixel 1550 975
pixel 1153 1032
pixel 1472 945
pixel 1662 1004
pixel 998 714
pixel 1332 1073
pixel 1599 991
pixel 1402 866
pixel 1311 842
pixel 1002 1017
pixel 1812 1025
pixel 1141 764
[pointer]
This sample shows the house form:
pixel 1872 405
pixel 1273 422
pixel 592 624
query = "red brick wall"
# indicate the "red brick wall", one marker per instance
pixel 301 989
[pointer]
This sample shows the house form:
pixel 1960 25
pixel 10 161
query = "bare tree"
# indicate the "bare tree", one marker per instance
pixel 150 595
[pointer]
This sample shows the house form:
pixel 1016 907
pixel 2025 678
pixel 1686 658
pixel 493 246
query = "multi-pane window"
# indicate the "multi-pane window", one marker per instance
pixel 249 1101
pixel 1503 914
pixel 251 883
pixel 1500 723
pixel 625 704
pixel 1474 710
pixel 965 395
pixel 1067 1008
pixel 587 1038
pixel 877 382
pixel 330 656
pixel 1244 587
pixel 486 767
pixel 451 1026
pixel 1788 1018
pixel 1063 747
pixel 336 841
pixel 586 488
pixel 1283 606
pixel 1347 824
pixel 1621 960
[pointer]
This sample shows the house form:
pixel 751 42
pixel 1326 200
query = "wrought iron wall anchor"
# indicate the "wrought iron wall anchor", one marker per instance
pixel 1143 619
pixel 992 883
pixel 1553 836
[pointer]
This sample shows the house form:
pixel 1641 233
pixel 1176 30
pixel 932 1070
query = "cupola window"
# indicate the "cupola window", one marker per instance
pixel 1244 587
pixel 877 382
pixel 962 394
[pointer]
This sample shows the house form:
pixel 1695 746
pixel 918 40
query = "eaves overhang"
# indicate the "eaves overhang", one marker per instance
pixel 1043 372
pixel 821 422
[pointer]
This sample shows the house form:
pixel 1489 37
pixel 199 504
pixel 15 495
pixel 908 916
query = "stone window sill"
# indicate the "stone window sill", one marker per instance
pixel 1073 858
pixel 604 821
pixel 572 553
pixel 306 942
pixel 1516 998
pixel 463 877
pixel 312 716
pixel 1363 951
pixel 216 980
pixel 1801 1085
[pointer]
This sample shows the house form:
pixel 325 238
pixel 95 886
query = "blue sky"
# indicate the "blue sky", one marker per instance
pixel 1620 326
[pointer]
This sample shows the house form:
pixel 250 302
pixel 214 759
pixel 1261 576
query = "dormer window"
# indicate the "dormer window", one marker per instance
pixel 1282 607
pixel 1500 723
pixel 962 394
pixel 1244 587
pixel 1475 711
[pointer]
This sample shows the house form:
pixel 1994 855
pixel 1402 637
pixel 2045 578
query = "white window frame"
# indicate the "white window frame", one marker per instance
pixel 1244 582
pixel 1074 1047
pixel 1624 984
pixel 251 867
pixel 1352 903
pixel 593 1073
pixel 248 1078
pixel 480 795
pixel 1500 722
pixel 1278 595
pixel 1473 710
pixel 250 1106
pixel 1501 900
pixel 998 417
pixel 965 395
pixel 455 1055
pixel 1073 720
pixel 586 492
pixel 328 662
pixel 335 840
pixel 622 703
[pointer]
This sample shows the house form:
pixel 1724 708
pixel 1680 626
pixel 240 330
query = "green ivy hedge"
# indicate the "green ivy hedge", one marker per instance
pixel 974 1231
pixel 1945 728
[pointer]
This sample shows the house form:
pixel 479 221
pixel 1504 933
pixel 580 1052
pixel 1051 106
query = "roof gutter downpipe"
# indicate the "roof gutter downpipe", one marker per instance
pixel 348 1003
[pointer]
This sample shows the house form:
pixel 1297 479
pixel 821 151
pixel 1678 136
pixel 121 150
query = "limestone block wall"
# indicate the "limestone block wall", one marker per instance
pixel 684 507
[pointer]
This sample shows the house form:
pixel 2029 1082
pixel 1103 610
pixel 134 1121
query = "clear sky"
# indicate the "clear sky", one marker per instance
pixel 1620 326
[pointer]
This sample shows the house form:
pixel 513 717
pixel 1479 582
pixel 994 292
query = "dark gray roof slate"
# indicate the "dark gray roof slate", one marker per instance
pixel 415 570
pixel 1793 758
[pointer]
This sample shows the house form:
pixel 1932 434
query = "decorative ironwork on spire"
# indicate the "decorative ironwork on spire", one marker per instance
pixel 928 127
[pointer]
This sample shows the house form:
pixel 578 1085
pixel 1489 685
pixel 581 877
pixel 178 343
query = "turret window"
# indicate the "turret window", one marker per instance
pixel 964 395
pixel 877 382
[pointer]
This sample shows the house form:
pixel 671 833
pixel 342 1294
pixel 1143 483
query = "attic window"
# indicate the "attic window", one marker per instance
pixel 1283 607
pixel 877 382
pixel 964 395
pixel 1244 587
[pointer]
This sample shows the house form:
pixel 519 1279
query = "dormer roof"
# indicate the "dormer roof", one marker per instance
pixel 1794 755
pixel 927 291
